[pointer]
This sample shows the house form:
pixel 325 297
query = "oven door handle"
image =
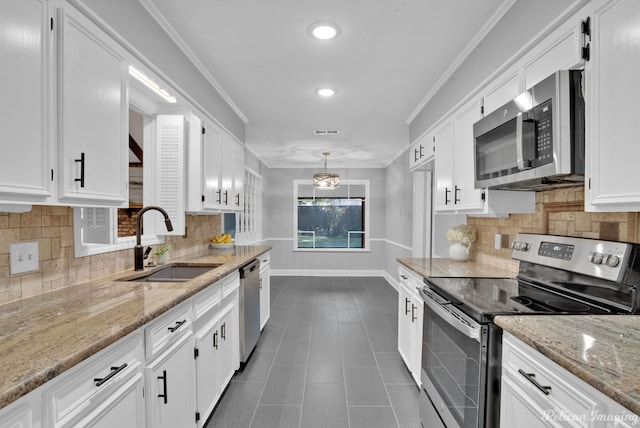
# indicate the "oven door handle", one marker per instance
pixel 472 332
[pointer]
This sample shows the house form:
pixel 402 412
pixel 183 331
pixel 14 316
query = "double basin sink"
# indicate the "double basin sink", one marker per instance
pixel 174 272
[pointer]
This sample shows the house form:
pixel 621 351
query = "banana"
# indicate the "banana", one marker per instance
pixel 225 238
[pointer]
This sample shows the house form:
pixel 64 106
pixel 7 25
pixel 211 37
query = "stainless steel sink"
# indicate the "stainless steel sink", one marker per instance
pixel 175 272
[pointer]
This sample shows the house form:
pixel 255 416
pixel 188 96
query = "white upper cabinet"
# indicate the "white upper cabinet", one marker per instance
pixel 612 149
pixel 562 50
pixel 455 190
pixel 501 91
pixel 215 169
pixel 92 113
pixel 24 164
pixel 422 151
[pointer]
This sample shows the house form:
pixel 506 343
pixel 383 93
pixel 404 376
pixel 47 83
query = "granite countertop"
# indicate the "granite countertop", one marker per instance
pixel 454 269
pixel 602 350
pixel 45 335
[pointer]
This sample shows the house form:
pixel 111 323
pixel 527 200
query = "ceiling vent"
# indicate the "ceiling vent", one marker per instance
pixel 326 132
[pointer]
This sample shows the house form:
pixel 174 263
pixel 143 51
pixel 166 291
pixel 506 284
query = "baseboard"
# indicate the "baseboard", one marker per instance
pixel 327 272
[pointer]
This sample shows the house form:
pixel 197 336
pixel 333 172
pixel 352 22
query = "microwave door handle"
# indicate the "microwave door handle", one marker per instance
pixel 519 142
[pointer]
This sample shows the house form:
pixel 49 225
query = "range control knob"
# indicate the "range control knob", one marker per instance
pixel 520 246
pixel 524 246
pixel 613 260
pixel 596 258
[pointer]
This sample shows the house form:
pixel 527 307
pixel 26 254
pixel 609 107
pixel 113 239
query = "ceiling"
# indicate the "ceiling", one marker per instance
pixel 389 56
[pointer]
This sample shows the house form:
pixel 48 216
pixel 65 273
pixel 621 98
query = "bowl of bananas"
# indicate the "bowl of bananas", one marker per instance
pixel 221 241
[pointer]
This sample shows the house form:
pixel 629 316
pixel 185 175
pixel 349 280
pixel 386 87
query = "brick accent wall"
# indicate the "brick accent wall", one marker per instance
pixel 558 212
pixel 52 228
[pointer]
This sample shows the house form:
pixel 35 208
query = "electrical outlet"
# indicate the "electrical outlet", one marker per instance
pixel 23 257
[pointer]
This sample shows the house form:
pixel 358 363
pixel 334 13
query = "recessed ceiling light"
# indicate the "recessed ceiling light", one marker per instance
pixel 325 92
pixel 324 30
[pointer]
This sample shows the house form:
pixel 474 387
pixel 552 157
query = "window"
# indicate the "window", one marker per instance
pixel 330 220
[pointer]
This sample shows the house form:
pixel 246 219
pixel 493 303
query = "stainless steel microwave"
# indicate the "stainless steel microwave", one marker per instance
pixel 536 140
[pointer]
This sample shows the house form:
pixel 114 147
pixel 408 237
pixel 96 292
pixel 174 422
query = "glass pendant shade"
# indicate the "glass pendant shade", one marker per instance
pixel 326 180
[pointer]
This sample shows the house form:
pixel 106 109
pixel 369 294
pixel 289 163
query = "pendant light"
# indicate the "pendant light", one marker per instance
pixel 326 180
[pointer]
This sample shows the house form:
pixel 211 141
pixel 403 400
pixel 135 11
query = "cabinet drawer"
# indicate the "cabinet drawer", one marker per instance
pixel 564 394
pixel 166 329
pixel 230 283
pixel 88 384
pixel 207 299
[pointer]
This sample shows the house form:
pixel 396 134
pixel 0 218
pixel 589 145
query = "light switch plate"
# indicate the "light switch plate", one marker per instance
pixel 23 257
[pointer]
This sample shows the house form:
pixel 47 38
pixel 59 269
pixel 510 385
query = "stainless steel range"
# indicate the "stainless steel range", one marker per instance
pixel 461 349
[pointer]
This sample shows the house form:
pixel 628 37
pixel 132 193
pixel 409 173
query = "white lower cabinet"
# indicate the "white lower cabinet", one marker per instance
pixel 170 391
pixel 265 290
pixel 410 312
pixel 104 389
pixel 161 375
pixel 536 392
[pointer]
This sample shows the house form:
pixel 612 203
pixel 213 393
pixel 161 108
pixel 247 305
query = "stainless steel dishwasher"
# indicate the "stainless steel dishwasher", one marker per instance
pixel 249 308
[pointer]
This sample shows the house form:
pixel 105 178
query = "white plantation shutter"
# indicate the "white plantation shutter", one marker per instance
pixel 169 175
pixel 96 225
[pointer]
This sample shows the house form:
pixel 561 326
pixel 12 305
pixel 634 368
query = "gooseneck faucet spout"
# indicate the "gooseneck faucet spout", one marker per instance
pixel 137 251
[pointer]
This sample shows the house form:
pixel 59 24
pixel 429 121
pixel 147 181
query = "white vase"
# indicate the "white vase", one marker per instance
pixel 160 259
pixel 459 252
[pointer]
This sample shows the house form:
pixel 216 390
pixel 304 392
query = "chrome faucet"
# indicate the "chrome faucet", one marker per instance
pixel 137 251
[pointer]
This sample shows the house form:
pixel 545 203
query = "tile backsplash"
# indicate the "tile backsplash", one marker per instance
pixel 52 228
pixel 558 212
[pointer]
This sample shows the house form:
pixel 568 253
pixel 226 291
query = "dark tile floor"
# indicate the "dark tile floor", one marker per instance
pixel 327 358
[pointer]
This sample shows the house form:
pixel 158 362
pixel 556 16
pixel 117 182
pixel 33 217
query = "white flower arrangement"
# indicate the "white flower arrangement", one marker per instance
pixel 463 234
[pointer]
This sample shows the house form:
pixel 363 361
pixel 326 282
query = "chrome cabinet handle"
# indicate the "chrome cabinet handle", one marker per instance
pixel 415 155
pixel 226 197
pixel 114 371
pixel 446 196
pixel 81 160
pixel 406 306
pixel 413 313
pixel 223 331
pixel 215 340
pixel 421 151
pixel 531 378
pixel 164 386
pixel 177 326
pixel 238 199
pixel 455 194
pixel 219 199
pixel 404 277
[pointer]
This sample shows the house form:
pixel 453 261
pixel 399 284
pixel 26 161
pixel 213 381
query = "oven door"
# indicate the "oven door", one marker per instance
pixel 453 365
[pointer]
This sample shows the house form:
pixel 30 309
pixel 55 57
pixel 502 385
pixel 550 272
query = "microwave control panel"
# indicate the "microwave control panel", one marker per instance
pixel 543 133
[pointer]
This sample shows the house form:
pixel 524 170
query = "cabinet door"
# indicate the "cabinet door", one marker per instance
pixel 93 114
pixel 465 196
pixel 518 410
pixel 422 151
pixel 24 164
pixel 227 148
pixel 444 167
pixel 122 409
pixel 404 326
pixel 212 184
pixel 229 343
pixel 237 202
pixel 265 295
pixel 612 113
pixel 208 382
pixel 170 381
pixel 506 88
pixel 561 51
pixel 417 309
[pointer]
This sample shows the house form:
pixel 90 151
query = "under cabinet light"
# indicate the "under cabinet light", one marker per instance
pixel 151 84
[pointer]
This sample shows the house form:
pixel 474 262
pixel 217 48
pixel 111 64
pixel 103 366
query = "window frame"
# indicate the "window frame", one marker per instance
pixel 367 218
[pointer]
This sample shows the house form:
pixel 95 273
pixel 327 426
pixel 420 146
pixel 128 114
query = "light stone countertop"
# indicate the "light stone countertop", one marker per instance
pixel 602 350
pixel 454 269
pixel 45 335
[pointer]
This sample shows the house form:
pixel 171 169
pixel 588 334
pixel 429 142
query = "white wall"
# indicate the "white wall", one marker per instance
pixel 278 225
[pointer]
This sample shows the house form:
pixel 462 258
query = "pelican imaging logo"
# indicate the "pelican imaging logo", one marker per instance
pixel 595 415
